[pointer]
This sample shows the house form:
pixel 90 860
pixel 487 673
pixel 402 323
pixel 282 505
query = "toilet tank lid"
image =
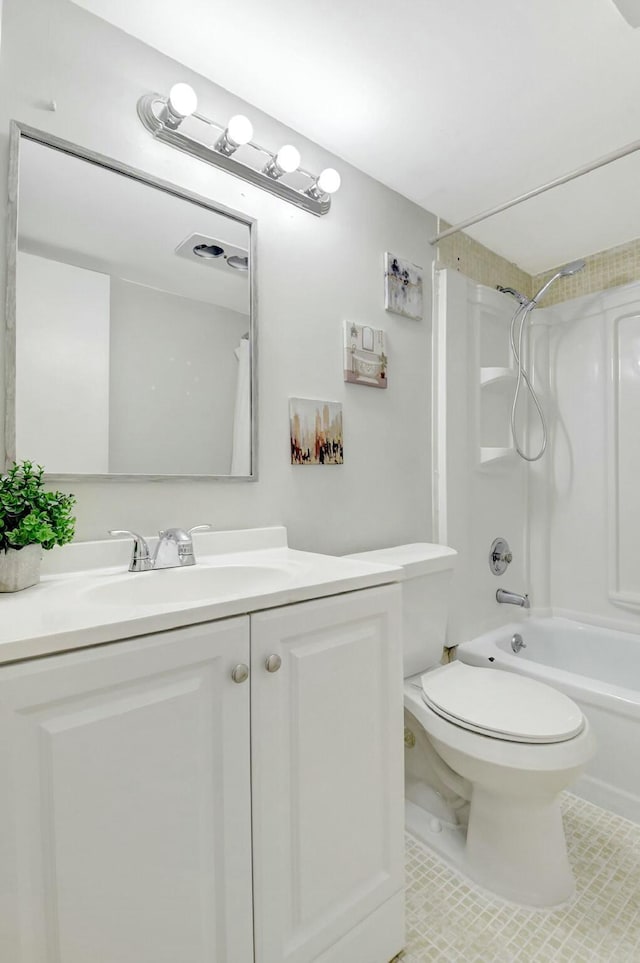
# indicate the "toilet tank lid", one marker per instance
pixel 417 558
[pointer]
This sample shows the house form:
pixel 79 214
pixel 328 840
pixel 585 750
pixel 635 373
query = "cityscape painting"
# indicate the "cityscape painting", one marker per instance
pixel 316 432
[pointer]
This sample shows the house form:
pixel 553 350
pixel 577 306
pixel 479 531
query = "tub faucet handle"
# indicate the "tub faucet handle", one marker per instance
pixel 500 556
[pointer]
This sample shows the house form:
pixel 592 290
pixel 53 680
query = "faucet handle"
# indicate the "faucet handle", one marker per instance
pixel 177 535
pixel 140 557
pixel 200 528
pixel 175 547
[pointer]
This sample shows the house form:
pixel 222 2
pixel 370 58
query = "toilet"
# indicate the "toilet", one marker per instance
pixel 487 752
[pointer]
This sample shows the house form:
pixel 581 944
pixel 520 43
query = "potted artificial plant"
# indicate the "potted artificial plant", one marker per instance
pixel 30 519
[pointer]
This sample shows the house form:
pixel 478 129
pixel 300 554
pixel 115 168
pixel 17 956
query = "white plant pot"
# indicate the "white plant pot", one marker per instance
pixel 20 568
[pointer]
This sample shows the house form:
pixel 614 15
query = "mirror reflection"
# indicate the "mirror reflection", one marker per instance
pixel 133 325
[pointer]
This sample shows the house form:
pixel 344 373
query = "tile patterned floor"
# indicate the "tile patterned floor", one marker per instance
pixel 448 921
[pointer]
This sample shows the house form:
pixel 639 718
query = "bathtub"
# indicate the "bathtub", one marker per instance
pixel 600 670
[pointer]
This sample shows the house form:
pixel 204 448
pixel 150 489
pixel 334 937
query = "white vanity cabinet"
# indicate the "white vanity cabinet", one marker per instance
pixel 328 793
pixel 154 810
pixel 125 802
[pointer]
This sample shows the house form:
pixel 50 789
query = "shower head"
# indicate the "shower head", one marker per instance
pixel 571 268
pixel 564 272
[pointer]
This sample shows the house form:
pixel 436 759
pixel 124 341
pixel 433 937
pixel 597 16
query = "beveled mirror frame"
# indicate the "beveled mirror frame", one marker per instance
pixel 18 131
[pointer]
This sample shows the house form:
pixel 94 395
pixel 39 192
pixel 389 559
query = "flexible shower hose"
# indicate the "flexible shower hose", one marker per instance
pixel 522 312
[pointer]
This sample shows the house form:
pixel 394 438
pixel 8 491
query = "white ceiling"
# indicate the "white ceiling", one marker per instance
pixel 457 104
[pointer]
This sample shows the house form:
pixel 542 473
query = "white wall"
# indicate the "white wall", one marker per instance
pixel 62 356
pixel 173 381
pixel 585 559
pixel 312 274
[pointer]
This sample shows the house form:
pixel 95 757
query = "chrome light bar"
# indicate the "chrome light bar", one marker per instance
pixel 279 173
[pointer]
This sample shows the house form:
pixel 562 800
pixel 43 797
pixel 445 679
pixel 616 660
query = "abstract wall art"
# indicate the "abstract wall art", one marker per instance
pixel 316 432
pixel 402 287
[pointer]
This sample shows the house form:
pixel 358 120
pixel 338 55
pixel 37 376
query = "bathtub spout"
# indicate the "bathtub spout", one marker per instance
pixel 512 598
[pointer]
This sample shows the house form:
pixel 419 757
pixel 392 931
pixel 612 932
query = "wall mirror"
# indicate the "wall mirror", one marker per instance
pixel 131 323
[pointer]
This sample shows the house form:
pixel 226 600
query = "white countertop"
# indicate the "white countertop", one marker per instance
pixel 73 609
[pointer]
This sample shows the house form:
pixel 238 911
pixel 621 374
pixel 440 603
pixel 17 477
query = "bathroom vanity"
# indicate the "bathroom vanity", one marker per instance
pixel 202 769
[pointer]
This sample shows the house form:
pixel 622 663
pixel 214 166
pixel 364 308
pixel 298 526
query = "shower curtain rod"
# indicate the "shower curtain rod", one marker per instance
pixel 594 165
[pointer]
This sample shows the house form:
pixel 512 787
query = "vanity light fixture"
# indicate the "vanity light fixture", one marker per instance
pixel 327 182
pixel 239 131
pixel 279 173
pixel 286 161
pixel 181 102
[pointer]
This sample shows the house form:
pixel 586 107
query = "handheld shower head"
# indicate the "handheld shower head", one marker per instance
pixel 572 268
pixel 522 314
pixel 564 272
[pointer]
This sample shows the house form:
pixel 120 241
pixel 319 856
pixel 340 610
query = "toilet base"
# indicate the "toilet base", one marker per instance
pixel 517 848
pixel 522 866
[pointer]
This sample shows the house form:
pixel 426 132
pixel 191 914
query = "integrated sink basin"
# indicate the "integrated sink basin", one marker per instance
pixel 87 597
pixel 200 583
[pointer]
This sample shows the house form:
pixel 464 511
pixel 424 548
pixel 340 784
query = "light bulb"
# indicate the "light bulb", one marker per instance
pixel 240 129
pixel 288 159
pixel 183 100
pixel 329 181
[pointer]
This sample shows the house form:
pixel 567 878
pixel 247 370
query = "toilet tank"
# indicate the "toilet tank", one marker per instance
pixel 426 581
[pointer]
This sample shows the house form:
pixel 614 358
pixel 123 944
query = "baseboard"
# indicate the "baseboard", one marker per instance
pixel 606 796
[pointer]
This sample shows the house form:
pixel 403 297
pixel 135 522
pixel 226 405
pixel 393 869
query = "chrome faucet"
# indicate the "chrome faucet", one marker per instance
pixel 512 598
pixel 174 549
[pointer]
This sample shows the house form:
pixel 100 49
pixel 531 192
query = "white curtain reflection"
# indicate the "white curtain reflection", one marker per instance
pixel 241 450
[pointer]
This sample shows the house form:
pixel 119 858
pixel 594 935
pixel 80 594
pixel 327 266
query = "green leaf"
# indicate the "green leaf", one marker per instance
pixel 30 515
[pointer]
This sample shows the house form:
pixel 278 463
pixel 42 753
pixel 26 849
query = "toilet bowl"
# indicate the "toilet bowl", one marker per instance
pixel 487 752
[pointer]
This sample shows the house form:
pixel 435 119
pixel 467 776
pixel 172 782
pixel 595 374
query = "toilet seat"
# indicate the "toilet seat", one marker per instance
pixel 501 705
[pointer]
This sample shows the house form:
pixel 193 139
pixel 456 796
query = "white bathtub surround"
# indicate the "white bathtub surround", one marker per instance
pixel 450 920
pixel 480 483
pixel 599 669
pixel 583 506
pixel 572 519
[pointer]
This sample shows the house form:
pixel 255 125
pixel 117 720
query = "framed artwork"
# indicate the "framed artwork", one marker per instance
pixel 402 287
pixel 365 360
pixel 316 432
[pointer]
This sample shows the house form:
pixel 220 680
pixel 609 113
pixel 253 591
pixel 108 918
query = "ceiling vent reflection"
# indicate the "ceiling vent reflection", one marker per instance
pixel 214 252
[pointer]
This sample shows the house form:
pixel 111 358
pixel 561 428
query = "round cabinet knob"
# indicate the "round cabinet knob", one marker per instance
pixel 273 663
pixel 240 673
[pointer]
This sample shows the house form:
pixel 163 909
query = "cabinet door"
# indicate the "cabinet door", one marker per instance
pixel 327 771
pixel 124 802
